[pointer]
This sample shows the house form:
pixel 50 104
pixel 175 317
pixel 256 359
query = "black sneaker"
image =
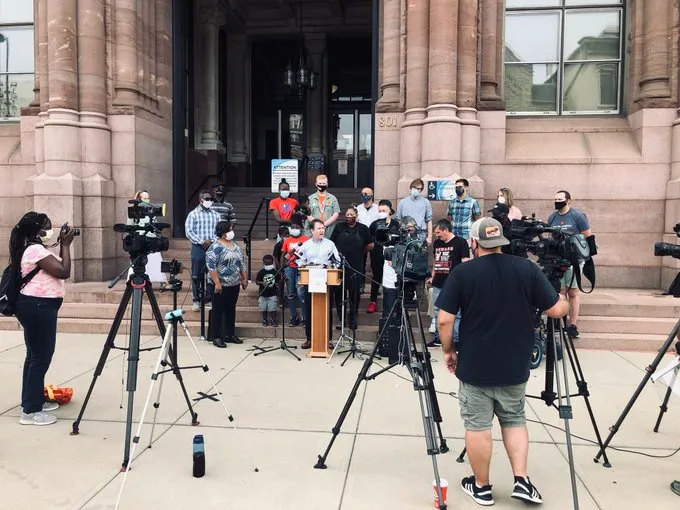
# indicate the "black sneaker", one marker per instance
pixel 675 487
pixel 265 323
pixel 294 321
pixel 481 495
pixel 572 331
pixel 525 491
pixel 234 340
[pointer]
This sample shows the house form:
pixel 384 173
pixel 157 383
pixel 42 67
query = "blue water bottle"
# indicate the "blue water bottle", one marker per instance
pixel 199 456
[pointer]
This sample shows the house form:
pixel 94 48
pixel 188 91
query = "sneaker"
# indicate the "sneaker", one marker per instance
pixel 208 307
pixel 481 495
pixel 50 406
pixel 37 418
pixel 572 331
pixel 433 327
pixel 265 323
pixel 436 342
pixel 372 307
pixel 196 307
pixel 294 321
pixel 675 487
pixel 234 340
pixel 525 491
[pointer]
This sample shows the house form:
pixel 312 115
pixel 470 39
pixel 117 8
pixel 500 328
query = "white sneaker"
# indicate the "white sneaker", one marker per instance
pixel 38 418
pixel 433 327
pixel 196 307
pixel 50 406
pixel 208 307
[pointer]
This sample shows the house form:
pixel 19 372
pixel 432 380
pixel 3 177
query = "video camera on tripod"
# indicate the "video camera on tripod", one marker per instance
pixel 145 235
pixel 406 251
pixel 662 249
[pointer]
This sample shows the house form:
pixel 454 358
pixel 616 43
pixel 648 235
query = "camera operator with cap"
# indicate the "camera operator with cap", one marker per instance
pixel 318 251
pixel 497 295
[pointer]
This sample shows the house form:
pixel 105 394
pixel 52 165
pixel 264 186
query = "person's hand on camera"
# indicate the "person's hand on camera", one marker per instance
pixel 451 361
pixel 218 288
pixel 68 236
pixel 206 244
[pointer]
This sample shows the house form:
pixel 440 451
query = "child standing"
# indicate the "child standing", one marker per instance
pixel 267 279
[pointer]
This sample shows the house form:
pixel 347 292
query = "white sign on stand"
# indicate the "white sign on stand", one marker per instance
pixel 317 280
pixel 285 169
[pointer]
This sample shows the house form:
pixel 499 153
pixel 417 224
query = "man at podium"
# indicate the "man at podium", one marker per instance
pixel 318 251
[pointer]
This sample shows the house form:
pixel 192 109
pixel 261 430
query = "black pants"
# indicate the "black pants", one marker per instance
pixel 352 287
pixel 38 316
pixel 389 297
pixel 377 263
pixel 223 315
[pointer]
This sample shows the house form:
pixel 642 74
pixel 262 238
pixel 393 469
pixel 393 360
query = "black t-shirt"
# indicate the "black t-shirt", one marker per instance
pixel 497 295
pixel 351 241
pixel 446 257
pixel 267 276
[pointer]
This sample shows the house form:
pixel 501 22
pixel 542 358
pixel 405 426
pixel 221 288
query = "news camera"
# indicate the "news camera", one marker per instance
pixel 145 235
pixel 665 249
pixel 383 236
pixel 408 253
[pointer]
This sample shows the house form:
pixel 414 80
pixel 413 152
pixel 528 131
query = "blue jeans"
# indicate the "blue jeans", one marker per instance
pixel 38 316
pixel 293 290
pixel 389 297
pixel 456 326
pixel 198 271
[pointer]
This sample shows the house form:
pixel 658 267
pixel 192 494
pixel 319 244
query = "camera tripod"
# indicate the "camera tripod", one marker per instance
pixel 283 346
pixel 354 346
pixel 136 287
pixel 420 367
pixel 649 374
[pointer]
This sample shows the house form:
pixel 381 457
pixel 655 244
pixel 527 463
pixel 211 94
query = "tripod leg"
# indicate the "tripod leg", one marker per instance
pixel 162 355
pixel 461 458
pixel 108 345
pixel 157 402
pixel 648 374
pixel 171 352
pixel 664 406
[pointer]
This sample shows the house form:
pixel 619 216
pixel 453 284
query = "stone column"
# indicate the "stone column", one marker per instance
pixel 390 55
pixel 91 56
pixel 211 20
pixel 467 87
pixel 315 45
pixel 163 59
pixel 492 51
pixel 237 53
pixel 441 129
pixel 656 47
pixel 126 72
pixel 417 45
pixel 44 100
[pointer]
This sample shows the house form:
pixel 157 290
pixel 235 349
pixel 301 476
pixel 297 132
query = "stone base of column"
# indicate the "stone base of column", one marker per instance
pixel 470 142
pixel 440 154
pixel 387 150
pixel 410 147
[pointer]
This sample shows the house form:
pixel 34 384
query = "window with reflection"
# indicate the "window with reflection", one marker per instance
pixel 563 57
pixel 16 57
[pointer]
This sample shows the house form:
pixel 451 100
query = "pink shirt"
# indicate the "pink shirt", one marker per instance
pixel 42 284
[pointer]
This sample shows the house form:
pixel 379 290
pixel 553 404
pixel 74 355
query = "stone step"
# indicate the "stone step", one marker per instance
pixel 620 341
pixel 627 325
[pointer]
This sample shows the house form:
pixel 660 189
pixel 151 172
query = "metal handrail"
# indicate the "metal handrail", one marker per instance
pixel 248 238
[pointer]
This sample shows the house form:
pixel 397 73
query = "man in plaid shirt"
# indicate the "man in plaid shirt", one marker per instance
pixel 463 210
pixel 200 230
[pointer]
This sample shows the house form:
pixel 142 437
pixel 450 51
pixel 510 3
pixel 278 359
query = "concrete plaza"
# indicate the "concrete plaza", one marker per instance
pixel 284 410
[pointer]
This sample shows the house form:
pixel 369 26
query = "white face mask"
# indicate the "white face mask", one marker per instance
pixel 415 192
pixel 294 232
pixel 383 215
pixel 284 194
pixel 207 204
pixel 230 235
pixel 269 267
pixel 48 235
pixel 501 199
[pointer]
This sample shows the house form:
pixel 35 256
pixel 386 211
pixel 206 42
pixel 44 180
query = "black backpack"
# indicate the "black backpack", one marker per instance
pixel 10 286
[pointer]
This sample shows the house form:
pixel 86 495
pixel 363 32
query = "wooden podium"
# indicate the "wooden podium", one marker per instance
pixel 320 325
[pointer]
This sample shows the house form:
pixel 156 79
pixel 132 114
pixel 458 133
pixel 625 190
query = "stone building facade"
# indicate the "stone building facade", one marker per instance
pixel 599 117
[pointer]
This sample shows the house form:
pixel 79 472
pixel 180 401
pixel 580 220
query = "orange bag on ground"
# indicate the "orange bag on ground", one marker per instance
pixel 59 395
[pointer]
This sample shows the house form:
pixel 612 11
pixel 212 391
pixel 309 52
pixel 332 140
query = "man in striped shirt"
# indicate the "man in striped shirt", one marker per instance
pixel 200 230
pixel 221 206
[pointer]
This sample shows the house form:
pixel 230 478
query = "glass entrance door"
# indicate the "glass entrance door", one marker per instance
pixel 351 158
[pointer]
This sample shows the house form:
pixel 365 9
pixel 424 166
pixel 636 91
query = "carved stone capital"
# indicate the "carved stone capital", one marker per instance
pixel 211 12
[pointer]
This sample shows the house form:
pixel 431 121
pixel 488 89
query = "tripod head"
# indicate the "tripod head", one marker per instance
pixel 173 267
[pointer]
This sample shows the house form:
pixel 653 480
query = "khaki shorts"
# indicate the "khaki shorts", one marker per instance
pixel 478 405
pixel 568 281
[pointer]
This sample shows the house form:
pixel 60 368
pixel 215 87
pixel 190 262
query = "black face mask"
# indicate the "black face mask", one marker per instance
pixel 560 205
pixel 460 190
pixel 322 187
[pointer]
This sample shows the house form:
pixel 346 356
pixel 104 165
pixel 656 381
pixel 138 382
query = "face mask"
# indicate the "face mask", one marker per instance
pixel 269 267
pixel 295 232
pixel 366 198
pixel 560 205
pixel 501 199
pixel 383 215
pixel 322 187
pixel 351 220
pixel 207 204
pixel 146 200
pixel 284 194
pixel 48 235
pixel 415 192
pixel 460 190
pixel 230 235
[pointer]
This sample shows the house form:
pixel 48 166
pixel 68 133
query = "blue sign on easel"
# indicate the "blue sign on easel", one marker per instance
pixel 285 169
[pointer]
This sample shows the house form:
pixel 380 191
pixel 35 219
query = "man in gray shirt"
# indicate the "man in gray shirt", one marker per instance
pixel 571 221
pixel 418 208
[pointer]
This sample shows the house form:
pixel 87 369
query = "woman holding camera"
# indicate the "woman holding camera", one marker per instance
pixel 153 260
pixel 37 306
pixel 226 267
